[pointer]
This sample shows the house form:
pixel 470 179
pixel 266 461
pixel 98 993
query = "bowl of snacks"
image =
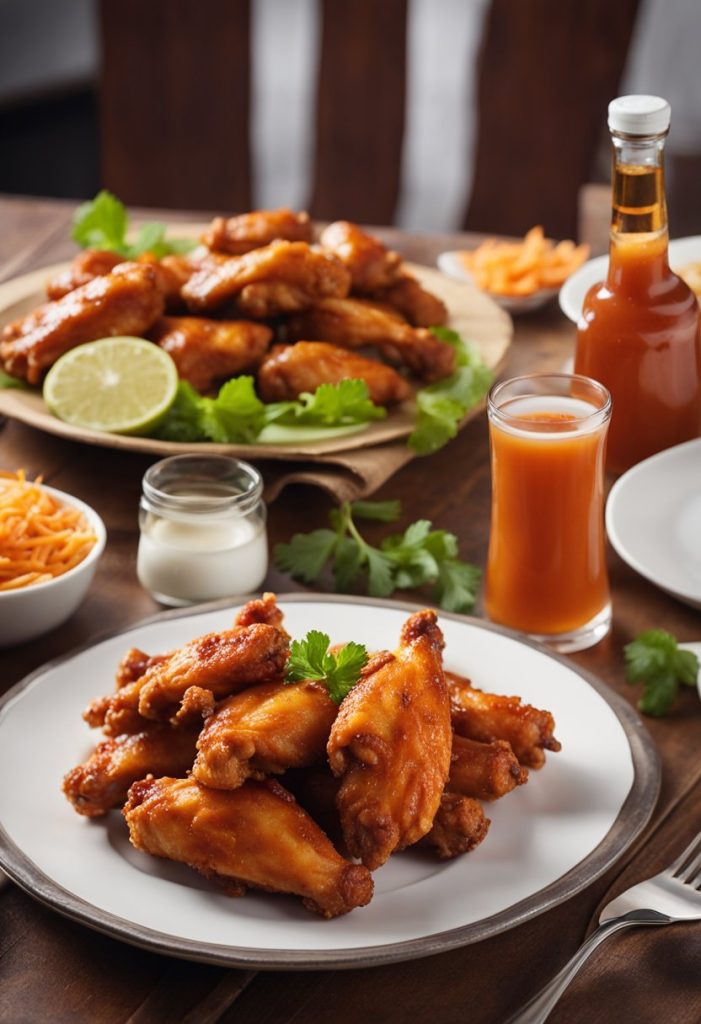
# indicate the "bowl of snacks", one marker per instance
pixel 520 276
pixel 50 544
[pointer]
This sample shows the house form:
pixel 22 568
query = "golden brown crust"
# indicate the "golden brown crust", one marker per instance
pixel 485 771
pixel 458 827
pixel 208 352
pixel 238 235
pixel 371 264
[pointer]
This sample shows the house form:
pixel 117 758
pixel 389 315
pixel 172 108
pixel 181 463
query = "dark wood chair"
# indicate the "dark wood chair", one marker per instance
pixel 175 98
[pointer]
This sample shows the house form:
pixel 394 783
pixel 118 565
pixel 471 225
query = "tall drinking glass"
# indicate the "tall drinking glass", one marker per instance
pixel 546 567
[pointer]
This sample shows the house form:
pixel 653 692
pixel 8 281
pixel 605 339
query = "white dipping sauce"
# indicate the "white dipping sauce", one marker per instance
pixel 182 561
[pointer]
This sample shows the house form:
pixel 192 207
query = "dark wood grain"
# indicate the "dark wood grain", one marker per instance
pixel 55 970
pixel 538 125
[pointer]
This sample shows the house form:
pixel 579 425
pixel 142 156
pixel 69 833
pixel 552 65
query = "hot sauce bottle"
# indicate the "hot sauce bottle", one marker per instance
pixel 639 329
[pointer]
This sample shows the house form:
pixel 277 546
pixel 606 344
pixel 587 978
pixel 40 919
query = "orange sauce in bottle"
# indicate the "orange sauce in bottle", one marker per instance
pixel 639 329
pixel 546 567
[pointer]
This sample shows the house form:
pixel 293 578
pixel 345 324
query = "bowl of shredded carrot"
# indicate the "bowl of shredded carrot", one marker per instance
pixel 50 544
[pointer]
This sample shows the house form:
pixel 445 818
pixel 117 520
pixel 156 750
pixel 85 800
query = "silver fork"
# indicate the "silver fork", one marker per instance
pixel 671 896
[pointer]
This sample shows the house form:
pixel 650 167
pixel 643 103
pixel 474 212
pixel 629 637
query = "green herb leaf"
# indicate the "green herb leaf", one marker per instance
pixel 457 586
pixel 102 223
pixel 305 556
pixel 6 381
pixel 311 659
pixel 184 419
pixel 654 659
pixel 236 415
pixel 331 405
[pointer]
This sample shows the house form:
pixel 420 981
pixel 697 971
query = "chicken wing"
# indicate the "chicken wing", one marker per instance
pixel 408 297
pixel 486 771
pixel 264 730
pixel 256 835
pixel 102 782
pixel 260 609
pixel 126 301
pixel 288 370
pixel 88 264
pixel 391 743
pixel 458 827
pixel 237 235
pixel 207 352
pixel 356 323
pixel 371 264
pixel 278 278
pixel 489 716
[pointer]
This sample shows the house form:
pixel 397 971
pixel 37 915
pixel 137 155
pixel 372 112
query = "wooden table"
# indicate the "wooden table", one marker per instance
pixel 57 971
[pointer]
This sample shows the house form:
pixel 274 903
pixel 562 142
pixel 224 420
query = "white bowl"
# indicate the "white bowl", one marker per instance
pixel 29 611
pixel 451 265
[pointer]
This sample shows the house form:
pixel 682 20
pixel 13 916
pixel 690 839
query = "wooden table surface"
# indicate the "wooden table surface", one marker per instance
pixel 52 970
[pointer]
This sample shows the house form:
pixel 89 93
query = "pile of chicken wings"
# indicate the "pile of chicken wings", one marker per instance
pixel 259 296
pixel 255 782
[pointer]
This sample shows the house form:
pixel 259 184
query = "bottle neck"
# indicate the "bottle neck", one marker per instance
pixel 639 230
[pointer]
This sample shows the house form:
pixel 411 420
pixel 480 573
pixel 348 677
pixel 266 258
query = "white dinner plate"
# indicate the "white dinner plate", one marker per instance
pixel 681 252
pixel 653 520
pixel 452 265
pixel 548 839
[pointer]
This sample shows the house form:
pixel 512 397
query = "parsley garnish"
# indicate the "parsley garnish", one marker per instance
pixel 442 405
pixel 103 223
pixel 655 659
pixel 405 560
pixel 311 659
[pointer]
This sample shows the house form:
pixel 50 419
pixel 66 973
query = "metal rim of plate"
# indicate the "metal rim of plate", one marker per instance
pixel 632 818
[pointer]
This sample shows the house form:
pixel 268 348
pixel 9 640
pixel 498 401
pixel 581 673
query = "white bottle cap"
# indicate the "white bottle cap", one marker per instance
pixel 639 115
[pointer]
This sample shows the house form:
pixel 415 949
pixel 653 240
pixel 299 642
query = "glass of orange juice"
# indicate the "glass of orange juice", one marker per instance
pixel 546 567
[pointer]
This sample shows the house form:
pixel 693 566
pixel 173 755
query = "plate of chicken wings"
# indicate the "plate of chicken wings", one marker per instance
pixel 168 786
pixel 263 293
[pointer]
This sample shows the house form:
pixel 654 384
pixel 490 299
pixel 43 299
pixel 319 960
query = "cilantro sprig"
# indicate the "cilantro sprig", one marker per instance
pixel 655 659
pixel 311 659
pixel 238 416
pixel 407 560
pixel 103 223
pixel 441 406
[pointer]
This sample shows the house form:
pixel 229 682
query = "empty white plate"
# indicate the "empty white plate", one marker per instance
pixel 681 252
pixel 653 519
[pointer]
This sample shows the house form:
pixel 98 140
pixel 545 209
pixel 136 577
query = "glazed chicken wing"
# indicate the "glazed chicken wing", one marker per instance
pixel 489 716
pixel 371 264
pixel 413 302
pixel 355 323
pixel 256 835
pixel 207 352
pixel 87 265
pixel 126 301
pixel 264 730
pixel 486 771
pixel 278 278
pixel 288 370
pixel 237 235
pixel 102 782
pixel 390 745
pixel 458 827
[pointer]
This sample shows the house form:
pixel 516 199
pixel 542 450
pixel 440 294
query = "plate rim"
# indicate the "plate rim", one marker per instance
pixel 613 531
pixel 632 817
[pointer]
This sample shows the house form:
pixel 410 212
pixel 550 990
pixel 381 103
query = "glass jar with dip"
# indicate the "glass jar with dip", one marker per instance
pixel 546 566
pixel 203 536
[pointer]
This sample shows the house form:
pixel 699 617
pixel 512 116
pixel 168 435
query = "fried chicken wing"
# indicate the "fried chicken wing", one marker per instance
pixel 256 835
pixel 489 716
pixel 264 730
pixel 126 301
pixel 458 827
pixel 288 370
pixel 207 352
pixel 278 278
pixel 102 782
pixel 88 264
pixel 356 323
pixel 238 235
pixel 371 264
pixel 260 609
pixel 391 743
pixel 486 771
pixel 408 297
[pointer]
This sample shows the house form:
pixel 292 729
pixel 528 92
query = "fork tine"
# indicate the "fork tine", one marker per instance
pixel 674 868
pixel 693 867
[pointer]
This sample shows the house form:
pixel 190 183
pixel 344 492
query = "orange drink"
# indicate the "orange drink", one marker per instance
pixel 546 567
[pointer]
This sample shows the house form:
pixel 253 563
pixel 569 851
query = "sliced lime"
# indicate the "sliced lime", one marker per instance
pixel 121 385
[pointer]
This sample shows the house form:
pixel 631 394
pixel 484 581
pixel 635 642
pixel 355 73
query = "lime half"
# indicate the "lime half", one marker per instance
pixel 121 385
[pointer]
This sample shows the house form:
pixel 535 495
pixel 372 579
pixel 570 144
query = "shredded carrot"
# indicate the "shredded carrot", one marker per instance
pixel 521 268
pixel 40 537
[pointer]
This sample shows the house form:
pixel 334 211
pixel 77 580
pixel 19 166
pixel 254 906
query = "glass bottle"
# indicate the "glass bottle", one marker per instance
pixel 638 333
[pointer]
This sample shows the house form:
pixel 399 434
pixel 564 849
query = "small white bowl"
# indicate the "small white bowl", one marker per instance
pixel 29 611
pixel 451 265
